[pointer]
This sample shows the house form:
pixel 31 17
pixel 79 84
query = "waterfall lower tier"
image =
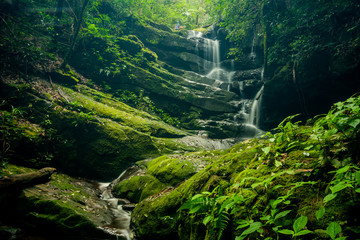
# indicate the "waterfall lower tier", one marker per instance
pixel 254 117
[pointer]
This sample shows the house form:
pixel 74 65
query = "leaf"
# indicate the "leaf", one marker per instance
pixel 252 228
pixel 275 203
pixel 265 218
pixel 309 147
pixel 354 123
pixel 282 214
pixel 195 209
pixel 340 238
pixel 278 163
pixel 300 223
pixel 266 150
pixel 286 231
pixel 242 224
pixel 333 229
pixel 329 197
pixel 357 177
pixel 197 196
pixel 207 220
pixel 320 213
pixel 357 190
pixel 303 232
pixel 342 170
pixel 340 186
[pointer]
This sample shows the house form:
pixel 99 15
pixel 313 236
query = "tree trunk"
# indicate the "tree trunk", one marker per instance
pixel 21 181
pixel 59 9
pixel 78 21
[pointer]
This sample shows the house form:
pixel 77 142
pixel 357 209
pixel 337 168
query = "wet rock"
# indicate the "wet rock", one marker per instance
pixel 128 207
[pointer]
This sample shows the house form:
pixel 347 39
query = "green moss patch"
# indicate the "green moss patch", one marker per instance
pixel 137 188
pixel 171 170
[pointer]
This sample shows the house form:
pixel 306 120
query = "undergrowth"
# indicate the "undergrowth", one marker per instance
pixel 285 210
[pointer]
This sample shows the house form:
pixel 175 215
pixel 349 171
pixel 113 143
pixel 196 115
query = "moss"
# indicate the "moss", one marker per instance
pixel 156 218
pixel 149 55
pixel 65 76
pixel 63 206
pixel 215 181
pixel 13 169
pixel 103 106
pixel 169 145
pixel 171 170
pixel 55 215
pixel 137 188
pixel 131 44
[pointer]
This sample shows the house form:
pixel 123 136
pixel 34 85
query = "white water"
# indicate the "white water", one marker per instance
pixel 254 117
pixel 194 34
pixel 252 54
pixel 120 226
pixel 212 63
pixel 249 113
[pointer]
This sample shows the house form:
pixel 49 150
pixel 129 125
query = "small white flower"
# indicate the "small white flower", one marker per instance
pixel 306 154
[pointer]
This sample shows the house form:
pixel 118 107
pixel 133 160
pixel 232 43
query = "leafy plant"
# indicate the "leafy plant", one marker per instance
pixel 333 230
pixel 298 228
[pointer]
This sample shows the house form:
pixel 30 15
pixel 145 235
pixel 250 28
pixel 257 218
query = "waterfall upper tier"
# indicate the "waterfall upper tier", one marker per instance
pixel 246 83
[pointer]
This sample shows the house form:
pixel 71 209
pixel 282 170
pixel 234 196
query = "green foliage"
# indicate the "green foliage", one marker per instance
pixel 343 180
pixel 238 16
pixel 298 227
pixel 333 230
pixel 213 208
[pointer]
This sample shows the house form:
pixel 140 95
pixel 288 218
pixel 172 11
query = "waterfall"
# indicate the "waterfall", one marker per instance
pixel 252 54
pixel 254 117
pixel 249 112
pixel 212 60
pixel 194 34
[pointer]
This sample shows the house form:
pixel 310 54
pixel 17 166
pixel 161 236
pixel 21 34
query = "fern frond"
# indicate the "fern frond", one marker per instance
pixel 222 222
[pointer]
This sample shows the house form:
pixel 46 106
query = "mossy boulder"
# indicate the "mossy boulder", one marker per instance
pixel 171 171
pixel 137 188
pixel 84 132
pixel 64 206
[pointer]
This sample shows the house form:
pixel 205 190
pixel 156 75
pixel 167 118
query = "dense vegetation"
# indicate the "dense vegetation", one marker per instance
pixel 279 204
pixel 93 87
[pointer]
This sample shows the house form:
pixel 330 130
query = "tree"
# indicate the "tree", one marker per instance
pixel 78 20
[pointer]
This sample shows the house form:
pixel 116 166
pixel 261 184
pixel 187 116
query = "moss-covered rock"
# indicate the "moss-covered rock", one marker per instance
pixel 64 206
pixel 82 131
pixel 171 170
pixel 137 188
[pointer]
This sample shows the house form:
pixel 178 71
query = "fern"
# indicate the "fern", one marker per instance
pixel 222 222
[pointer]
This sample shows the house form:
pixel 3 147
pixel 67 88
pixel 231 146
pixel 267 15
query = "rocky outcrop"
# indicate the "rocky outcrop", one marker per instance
pixel 69 208
pixel 88 133
pixel 311 86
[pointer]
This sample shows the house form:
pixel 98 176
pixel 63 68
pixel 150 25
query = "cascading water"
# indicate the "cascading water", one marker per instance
pixel 254 117
pixel 212 63
pixel 252 54
pixel 120 226
pixel 249 113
